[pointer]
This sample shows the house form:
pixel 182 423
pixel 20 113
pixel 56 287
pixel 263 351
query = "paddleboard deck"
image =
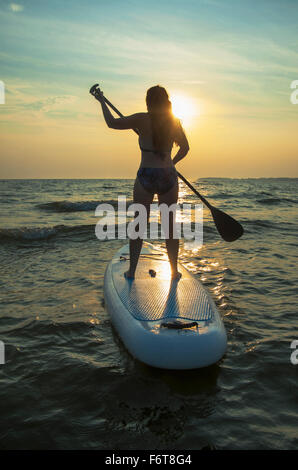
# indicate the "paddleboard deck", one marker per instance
pixel 162 322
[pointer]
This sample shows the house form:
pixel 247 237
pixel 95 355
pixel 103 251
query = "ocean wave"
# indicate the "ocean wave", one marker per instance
pixel 216 195
pixel 27 234
pixel 226 195
pixel 40 233
pixel 260 224
pixel 276 200
pixel 76 206
pixel 88 206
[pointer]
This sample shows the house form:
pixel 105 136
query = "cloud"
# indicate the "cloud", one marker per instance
pixel 16 7
pixel 193 82
pixel 55 102
pixel 30 106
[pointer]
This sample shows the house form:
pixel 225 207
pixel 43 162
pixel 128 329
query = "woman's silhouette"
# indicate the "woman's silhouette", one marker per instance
pixel 158 129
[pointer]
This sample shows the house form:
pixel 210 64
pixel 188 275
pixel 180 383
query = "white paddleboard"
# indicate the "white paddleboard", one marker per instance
pixel 163 323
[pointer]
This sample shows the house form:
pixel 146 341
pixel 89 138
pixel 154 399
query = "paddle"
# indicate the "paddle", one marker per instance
pixel 228 228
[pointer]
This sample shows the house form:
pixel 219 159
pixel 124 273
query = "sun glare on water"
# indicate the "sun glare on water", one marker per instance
pixel 183 108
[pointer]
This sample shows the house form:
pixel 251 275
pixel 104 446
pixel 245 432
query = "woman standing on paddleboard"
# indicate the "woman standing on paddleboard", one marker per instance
pixel 158 129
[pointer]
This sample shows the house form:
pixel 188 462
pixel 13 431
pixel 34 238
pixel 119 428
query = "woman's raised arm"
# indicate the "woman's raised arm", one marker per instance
pixel 125 122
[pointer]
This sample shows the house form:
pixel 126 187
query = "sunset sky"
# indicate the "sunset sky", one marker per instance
pixel 230 62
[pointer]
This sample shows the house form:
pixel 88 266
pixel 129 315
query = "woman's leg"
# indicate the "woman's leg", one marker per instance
pixel 172 243
pixel 140 196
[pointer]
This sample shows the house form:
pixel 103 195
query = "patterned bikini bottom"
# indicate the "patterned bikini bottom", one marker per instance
pixel 157 180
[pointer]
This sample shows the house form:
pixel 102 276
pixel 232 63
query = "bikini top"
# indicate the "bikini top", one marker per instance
pixel 153 151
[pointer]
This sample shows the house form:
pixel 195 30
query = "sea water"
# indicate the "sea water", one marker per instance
pixel 69 383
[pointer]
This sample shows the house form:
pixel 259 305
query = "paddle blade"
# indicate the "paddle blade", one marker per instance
pixel 228 228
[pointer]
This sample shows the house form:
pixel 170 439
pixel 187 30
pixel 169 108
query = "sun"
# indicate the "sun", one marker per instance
pixel 183 108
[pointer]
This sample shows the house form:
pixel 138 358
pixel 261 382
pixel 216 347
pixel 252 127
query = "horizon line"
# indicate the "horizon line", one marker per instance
pixel 133 178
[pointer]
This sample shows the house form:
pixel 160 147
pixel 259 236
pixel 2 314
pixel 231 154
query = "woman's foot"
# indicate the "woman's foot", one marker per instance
pixel 176 276
pixel 129 275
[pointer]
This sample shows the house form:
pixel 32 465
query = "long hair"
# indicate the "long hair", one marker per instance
pixel 163 122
